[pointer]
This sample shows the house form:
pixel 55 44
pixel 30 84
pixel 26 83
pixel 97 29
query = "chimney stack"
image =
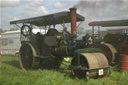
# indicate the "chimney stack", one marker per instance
pixel 73 20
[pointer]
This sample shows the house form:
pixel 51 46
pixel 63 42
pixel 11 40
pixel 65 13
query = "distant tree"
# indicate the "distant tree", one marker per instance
pixel 1 31
pixel 5 30
pixel 13 29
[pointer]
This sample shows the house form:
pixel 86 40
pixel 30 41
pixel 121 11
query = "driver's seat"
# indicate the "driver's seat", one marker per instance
pixel 50 37
pixel 51 32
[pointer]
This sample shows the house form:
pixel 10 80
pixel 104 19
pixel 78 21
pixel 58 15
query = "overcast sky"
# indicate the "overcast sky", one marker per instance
pixel 19 9
pixel 100 10
pixel 91 9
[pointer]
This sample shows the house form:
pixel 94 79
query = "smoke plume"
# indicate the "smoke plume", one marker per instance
pixel 98 10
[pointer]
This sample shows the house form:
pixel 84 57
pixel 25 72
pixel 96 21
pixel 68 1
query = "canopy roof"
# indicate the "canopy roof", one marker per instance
pixel 109 23
pixel 51 19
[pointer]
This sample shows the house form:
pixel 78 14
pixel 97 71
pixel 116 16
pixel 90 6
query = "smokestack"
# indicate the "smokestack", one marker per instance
pixel 73 20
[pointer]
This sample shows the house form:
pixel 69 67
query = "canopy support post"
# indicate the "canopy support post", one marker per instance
pixel 98 31
pixel 92 32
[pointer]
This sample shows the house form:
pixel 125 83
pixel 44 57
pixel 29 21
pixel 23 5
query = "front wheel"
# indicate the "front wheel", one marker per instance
pixel 78 72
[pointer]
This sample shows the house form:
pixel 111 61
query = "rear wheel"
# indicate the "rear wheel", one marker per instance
pixel 109 51
pixel 28 57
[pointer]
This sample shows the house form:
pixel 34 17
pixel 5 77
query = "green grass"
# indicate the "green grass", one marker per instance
pixel 11 74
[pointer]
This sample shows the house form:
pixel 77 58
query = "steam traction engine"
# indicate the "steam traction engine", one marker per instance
pixel 115 44
pixel 49 49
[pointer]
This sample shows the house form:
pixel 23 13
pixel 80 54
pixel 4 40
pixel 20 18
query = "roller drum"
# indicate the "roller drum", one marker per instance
pixel 96 64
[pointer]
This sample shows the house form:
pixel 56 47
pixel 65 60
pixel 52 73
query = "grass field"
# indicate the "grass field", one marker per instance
pixel 11 74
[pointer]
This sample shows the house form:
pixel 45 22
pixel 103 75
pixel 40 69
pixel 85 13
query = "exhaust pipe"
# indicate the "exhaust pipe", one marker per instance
pixel 73 20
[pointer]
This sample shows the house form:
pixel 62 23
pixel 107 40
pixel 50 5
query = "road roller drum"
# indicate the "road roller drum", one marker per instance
pixel 92 65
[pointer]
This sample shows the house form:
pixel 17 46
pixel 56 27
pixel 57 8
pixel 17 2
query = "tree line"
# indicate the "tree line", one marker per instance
pixel 5 30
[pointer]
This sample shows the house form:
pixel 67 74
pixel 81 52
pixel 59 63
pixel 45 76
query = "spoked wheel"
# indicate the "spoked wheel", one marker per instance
pixel 109 51
pixel 26 57
pixel 26 30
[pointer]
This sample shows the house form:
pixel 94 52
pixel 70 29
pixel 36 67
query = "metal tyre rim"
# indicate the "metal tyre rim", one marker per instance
pixel 26 57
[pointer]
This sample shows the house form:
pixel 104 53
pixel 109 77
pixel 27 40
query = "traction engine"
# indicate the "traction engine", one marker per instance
pixel 48 50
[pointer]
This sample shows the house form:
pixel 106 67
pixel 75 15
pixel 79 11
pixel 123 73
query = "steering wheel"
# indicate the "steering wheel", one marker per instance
pixel 26 30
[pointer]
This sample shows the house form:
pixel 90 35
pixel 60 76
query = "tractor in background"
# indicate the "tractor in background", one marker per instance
pixel 114 44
